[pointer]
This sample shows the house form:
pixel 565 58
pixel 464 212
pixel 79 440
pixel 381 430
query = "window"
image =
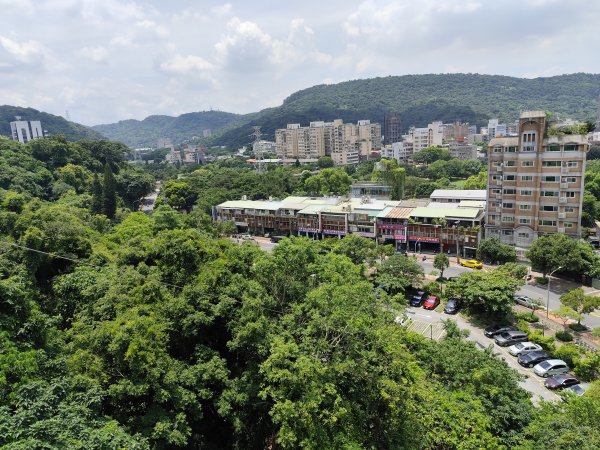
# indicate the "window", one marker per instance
pixel 550 163
pixel 525 192
pixel 526 177
pixel 570 147
pixel 508 205
pixel 527 163
pixel 568 180
pixel 497 149
pixel 510 163
pixel 509 177
pixel 549 194
pixel 547 223
pixel 507 232
pixel 509 191
pixel 569 209
pixel 525 207
pixel 511 149
pixel 553 148
pixel 550 179
pixel 570 194
pixel 571 163
pixel 508 218
pixel 496 191
pixel 549 208
pixel 496 177
pixel 524 221
pixel 568 224
pixel 524 235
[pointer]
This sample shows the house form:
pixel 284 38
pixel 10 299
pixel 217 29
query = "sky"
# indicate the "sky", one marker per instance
pixel 109 60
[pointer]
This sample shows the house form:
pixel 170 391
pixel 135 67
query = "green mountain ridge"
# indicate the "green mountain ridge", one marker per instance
pixel 146 132
pixel 53 124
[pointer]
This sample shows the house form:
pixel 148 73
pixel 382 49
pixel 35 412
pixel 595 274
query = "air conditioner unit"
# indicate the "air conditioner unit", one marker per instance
pixel 498 209
pixel 564 170
pixel 562 215
pixel 499 196
pixel 562 200
pixel 561 230
pixel 564 185
pixel 498 182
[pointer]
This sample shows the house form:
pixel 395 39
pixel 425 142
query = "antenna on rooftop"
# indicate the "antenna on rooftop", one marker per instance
pixel 258 152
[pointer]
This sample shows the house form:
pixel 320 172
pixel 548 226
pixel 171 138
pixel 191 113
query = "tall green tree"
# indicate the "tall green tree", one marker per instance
pixel 96 191
pixel 441 262
pixel 491 249
pixel 550 252
pixel 579 302
pixel 398 273
pixel 109 193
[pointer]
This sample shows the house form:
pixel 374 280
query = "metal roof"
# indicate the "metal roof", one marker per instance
pixel 396 213
pixel 462 194
pixel 459 213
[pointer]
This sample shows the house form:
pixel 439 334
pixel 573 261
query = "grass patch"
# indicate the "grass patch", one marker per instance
pixel 527 317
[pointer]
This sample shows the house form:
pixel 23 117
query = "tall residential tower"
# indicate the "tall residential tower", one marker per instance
pixel 535 183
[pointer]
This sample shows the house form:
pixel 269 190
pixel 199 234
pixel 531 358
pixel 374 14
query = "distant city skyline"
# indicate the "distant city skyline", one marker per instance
pixel 111 60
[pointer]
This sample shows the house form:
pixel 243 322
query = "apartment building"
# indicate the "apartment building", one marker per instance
pixel 422 138
pixel 392 129
pixel 535 183
pixel 400 151
pixel 26 130
pixel 346 143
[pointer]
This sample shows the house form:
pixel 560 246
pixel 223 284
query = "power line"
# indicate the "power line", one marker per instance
pixel 76 261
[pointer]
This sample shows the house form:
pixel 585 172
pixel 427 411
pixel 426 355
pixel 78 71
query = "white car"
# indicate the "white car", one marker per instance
pixel 550 367
pixel 523 347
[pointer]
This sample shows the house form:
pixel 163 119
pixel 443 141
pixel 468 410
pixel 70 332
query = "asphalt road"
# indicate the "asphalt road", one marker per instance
pixel 557 288
pixel 531 383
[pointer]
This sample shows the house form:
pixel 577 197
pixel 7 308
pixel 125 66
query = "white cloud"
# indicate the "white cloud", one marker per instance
pixel 96 54
pixel 222 10
pixel 184 64
pixel 26 52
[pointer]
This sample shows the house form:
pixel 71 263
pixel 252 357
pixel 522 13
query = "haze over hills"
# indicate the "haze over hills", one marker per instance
pixel 419 99
pixel 145 133
pixel 53 124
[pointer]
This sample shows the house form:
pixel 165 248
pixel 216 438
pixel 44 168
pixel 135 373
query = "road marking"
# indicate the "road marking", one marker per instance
pixel 422 315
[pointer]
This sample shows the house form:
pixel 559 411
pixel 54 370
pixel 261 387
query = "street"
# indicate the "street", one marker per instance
pixel 557 288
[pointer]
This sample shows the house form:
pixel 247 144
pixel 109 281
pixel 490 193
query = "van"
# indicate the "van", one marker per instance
pixel 510 337
pixel 551 367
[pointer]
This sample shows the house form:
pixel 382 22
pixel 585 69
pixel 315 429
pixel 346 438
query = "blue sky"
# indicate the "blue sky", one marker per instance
pixel 110 60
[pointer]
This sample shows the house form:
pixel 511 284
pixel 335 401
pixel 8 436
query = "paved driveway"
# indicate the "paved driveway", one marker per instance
pixel 426 322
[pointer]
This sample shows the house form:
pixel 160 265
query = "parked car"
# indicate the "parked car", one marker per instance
pixel 418 298
pixel 452 306
pixel 527 302
pixel 472 263
pixel 532 358
pixel 247 237
pixel 577 389
pixel 524 347
pixel 561 381
pixel 493 330
pixel 432 302
pixel 550 367
pixel 510 337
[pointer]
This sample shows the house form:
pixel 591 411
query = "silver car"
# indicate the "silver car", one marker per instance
pixel 523 347
pixel 550 367
pixel 510 337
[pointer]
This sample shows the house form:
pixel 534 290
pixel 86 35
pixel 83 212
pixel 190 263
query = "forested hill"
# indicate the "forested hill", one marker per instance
pixel 420 99
pixel 53 124
pixel 145 133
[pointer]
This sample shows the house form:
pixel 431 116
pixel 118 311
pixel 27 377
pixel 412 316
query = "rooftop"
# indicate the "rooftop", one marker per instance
pixel 460 194
pixel 458 213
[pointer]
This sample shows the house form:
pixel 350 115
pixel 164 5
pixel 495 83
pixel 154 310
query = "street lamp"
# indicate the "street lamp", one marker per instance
pixel 548 291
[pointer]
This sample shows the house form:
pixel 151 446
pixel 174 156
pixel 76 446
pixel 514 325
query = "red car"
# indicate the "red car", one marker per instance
pixel 432 302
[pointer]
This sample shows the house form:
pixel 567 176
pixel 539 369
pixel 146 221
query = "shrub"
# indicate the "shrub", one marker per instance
pixel 578 327
pixel 547 342
pixel 527 317
pixel 587 367
pixel 523 325
pixel 564 336
pixel 433 288
pixel 569 353
pixel 541 280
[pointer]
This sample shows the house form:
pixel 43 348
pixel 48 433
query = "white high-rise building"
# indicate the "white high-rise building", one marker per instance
pixel 26 130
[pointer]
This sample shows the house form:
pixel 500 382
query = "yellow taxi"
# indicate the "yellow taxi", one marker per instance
pixel 472 263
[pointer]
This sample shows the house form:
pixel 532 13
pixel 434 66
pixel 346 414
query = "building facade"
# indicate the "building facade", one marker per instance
pixel 26 130
pixel 400 151
pixel 346 143
pixel 421 138
pixel 535 183
pixel 392 129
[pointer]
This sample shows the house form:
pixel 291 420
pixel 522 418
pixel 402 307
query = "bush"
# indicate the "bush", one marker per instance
pixel 523 326
pixel 563 336
pixel 433 288
pixel 578 327
pixel 569 353
pixel 527 317
pixel 547 342
pixel 541 280
pixel 587 367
